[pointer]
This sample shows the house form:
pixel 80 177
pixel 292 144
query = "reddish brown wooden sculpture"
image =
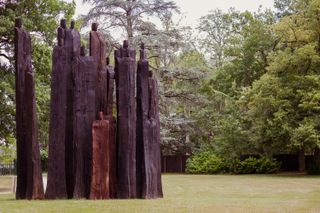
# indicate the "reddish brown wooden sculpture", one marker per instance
pixel 100 160
pixel 148 133
pixel 126 121
pixel 29 180
pixel 85 78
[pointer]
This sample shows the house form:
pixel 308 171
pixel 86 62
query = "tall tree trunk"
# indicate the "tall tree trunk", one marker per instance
pixel 302 160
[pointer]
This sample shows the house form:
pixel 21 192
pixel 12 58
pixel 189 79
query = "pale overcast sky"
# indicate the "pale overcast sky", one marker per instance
pixel 194 9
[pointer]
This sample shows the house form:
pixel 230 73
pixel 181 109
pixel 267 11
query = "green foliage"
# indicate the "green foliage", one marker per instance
pixel 313 169
pixel 264 98
pixel 204 162
pixel 254 165
pixel 40 17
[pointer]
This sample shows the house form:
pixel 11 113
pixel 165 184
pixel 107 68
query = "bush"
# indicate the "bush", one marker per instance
pixel 205 163
pixel 313 169
pixel 261 165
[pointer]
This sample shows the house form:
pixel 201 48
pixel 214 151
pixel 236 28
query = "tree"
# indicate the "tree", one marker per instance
pixel 222 117
pixel 40 18
pixel 128 15
pixel 284 98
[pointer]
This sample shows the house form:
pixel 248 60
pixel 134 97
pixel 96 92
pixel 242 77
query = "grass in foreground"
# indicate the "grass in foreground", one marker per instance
pixel 199 193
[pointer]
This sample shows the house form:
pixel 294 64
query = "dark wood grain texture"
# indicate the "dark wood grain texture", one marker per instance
pixel 112 132
pixel 29 180
pixel 85 77
pixel 61 164
pixel 126 122
pixel 148 133
pixel 98 52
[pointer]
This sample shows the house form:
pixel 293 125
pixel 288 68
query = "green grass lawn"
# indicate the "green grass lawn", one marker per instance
pixel 199 193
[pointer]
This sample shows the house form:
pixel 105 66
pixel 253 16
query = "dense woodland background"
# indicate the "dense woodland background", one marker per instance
pixel 240 84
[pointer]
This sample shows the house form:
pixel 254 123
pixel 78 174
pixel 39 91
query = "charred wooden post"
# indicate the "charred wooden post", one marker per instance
pixel 100 159
pixel 85 78
pixel 155 151
pixel 148 133
pixel 98 52
pixel 72 44
pixel 29 180
pixel 126 121
pixel 61 145
pixel 112 132
pixel 56 185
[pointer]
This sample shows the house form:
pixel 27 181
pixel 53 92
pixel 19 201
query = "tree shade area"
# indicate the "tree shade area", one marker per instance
pixel 240 85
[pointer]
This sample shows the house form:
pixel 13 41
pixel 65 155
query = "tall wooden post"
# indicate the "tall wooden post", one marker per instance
pixel 126 122
pixel 29 180
pixel 72 43
pixel 56 185
pixel 148 133
pixel 85 78
pixel 61 145
pixel 155 149
pixel 98 52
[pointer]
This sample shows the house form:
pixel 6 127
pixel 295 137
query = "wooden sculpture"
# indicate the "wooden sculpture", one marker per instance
pixel 148 132
pixel 126 121
pixel 29 174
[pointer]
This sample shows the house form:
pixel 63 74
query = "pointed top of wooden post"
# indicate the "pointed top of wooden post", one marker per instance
pixel 72 24
pixel 142 51
pixel 63 23
pixel 107 61
pixel 18 22
pixel 94 26
pixel 125 44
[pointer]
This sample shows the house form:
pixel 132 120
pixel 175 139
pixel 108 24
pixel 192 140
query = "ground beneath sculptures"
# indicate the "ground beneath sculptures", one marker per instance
pixel 199 193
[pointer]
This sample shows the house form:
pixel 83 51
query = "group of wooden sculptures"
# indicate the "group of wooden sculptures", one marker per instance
pixel 93 154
